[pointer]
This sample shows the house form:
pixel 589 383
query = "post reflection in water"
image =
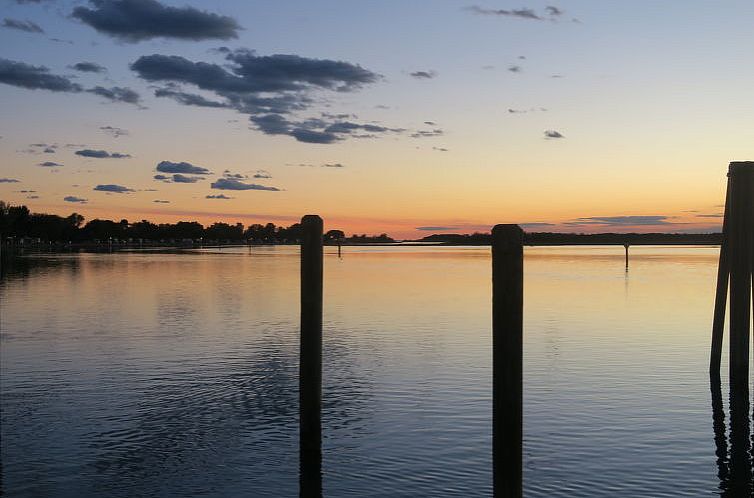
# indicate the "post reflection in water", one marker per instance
pixel 734 460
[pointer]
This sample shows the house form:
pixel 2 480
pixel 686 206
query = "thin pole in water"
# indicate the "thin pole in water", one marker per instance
pixel 626 246
pixel 507 360
pixel 310 369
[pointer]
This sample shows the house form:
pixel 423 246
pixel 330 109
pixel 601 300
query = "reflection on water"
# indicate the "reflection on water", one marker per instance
pixel 175 374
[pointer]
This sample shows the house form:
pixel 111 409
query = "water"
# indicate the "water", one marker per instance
pixel 146 374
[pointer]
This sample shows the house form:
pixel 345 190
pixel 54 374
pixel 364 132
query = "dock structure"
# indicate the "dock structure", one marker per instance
pixel 735 275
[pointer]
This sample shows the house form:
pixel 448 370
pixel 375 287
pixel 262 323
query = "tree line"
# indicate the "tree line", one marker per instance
pixel 17 222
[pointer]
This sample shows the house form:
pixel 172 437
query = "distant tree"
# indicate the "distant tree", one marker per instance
pixel 332 235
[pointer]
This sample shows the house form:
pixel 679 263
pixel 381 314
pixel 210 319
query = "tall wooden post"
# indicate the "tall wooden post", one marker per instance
pixel 310 369
pixel 741 247
pixel 736 266
pixel 507 360
pixel 626 247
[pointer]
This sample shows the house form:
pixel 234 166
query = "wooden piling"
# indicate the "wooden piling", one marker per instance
pixel 507 360
pixel 721 295
pixel 310 369
pixel 626 247
pixel 741 246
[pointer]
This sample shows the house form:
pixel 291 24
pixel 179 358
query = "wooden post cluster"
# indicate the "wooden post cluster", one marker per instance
pixel 736 265
pixel 310 369
pixel 507 360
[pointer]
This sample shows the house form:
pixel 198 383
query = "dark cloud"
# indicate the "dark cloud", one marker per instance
pixel 423 75
pixel 116 94
pixel 239 176
pixel 50 164
pixel 32 197
pixel 551 134
pixel 515 69
pixel 218 196
pixel 522 13
pixel 313 136
pixel 712 215
pixel 271 90
pixel 114 131
pixel 440 149
pixel 179 178
pixel 233 184
pixel 101 154
pixel 137 20
pixel 161 177
pixel 118 189
pixel 160 201
pixel 333 165
pixel 9 180
pixel 182 167
pixel 27 25
pixel 34 77
pixel 73 198
pixel 621 220
pixel 88 67
pixel 260 174
pixel 435 229
pixel 553 11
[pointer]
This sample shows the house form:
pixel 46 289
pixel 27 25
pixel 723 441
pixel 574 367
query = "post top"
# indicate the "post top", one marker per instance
pixel 740 166
pixel 311 218
pixel 507 228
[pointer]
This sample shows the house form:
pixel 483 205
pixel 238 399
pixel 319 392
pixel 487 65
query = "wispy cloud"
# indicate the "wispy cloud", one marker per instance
pixel 101 154
pixel 116 189
pixel 114 131
pixel 233 184
pixel 88 67
pixel 27 26
pixel 73 198
pixel 9 180
pixel 423 75
pixel 49 164
pixel 218 196
pixel 181 167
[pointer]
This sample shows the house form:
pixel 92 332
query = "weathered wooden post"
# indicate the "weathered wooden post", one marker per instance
pixel 626 246
pixel 310 369
pixel 736 267
pixel 507 360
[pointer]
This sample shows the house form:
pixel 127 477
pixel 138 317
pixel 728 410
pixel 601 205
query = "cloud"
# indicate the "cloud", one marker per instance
pixel 117 189
pixel 423 75
pixel 27 25
pixel 272 90
pixel 427 133
pixel 50 164
pixel 536 224
pixel 101 154
pixel 88 67
pixel 515 69
pixel 116 94
pixel 160 201
pixel 712 215
pixel 522 13
pixel 218 196
pixel 440 149
pixel 73 198
pixel 233 184
pixel 262 174
pixel 179 178
pixel 137 20
pixel 31 77
pixel 114 131
pixel 553 11
pixel 32 197
pixel 622 220
pixel 551 134
pixel 9 180
pixel 186 98
pixel 333 165
pixel 435 229
pixel 182 167
pixel 524 111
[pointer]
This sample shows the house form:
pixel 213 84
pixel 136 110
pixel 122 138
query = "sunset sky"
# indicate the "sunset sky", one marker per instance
pixel 402 117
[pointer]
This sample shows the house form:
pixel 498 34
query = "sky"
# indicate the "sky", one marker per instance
pixel 408 118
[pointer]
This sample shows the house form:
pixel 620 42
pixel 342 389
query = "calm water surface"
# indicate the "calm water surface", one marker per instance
pixel 147 374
